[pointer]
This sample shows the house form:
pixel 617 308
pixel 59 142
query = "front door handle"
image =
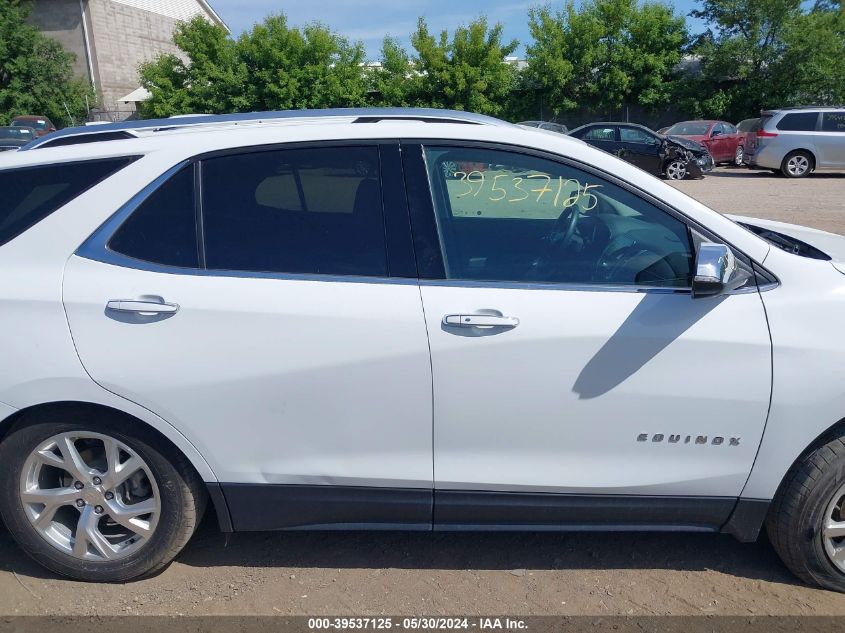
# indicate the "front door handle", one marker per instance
pixel 480 320
pixel 145 308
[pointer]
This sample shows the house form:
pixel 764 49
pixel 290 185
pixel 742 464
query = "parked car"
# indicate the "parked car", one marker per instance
pixel 355 341
pixel 560 128
pixel 41 124
pixel 674 158
pixel 798 141
pixel 721 139
pixel 15 137
pixel 748 128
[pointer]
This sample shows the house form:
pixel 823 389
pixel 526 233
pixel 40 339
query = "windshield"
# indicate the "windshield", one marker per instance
pixel 38 124
pixel 22 133
pixel 688 128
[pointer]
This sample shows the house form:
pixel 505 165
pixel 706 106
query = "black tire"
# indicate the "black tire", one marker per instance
pixel 182 497
pixel 795 520
pixel 800 157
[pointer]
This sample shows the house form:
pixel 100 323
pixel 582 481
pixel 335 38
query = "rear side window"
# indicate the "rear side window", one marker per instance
pixel 163 230
pixel 798 122
pixel 312 211
pixel 833 122
pixel 600 134
pixel 31 194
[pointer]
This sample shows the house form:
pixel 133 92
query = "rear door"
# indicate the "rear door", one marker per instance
pixel 249 300
pixel 830 142
pixel 605 137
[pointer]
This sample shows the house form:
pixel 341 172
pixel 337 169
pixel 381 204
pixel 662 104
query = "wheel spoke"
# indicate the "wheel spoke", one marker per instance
pixel 87 533
pixel 121 472
pixel 127 516
pixel 834 529
pixel 73 462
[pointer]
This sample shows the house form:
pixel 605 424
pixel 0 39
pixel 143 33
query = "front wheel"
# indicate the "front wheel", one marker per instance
pixel 806 523
pixel 97 502
pixel 675 170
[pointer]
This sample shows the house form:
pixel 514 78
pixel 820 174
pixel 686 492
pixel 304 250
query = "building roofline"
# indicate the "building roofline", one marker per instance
pixel 214 15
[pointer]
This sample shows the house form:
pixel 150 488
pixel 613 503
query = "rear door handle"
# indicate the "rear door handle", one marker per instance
pixel 479 320
pixel 142 307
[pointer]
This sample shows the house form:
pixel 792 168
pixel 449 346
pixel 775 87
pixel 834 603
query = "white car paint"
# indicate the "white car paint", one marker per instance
pixel 721 390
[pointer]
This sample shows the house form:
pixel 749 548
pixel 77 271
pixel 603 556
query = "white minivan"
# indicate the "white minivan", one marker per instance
pixel 402 319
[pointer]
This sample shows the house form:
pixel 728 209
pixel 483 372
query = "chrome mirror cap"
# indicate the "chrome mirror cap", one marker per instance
pixel 715 270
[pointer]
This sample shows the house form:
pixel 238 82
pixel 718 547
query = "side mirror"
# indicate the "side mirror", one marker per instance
pixel 716 271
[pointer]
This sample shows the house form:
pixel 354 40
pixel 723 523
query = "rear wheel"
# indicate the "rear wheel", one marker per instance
pixel 739 156
pixel 797 164
pixel 97 502
pixel 806 523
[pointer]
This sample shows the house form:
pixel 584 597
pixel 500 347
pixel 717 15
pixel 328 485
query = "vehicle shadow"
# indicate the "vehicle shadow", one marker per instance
pixel 462 551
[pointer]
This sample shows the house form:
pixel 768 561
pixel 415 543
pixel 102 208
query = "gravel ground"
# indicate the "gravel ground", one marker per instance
pixel 466 574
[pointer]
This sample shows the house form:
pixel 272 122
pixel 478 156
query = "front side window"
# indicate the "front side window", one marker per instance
pixel 30 194
pixel 798 122
pixel 520 218
pixel 313 211
pixel 833 122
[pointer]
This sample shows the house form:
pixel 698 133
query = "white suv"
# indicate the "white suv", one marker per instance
pixel 402 319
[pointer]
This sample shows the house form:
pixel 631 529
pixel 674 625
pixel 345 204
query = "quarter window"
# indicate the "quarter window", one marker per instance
pixel 30 194
pixel 295 211
pixel 798 122
pixel 520 218
pixel 163 230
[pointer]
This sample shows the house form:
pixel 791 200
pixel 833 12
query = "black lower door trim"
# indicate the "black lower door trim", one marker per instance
pixel 459 509
pixel 316 507
pixel 323 507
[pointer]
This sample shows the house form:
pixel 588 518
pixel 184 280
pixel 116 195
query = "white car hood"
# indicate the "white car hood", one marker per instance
pixel 831 244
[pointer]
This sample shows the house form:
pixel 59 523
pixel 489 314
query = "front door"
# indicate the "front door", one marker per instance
pixel 280 343
pixel 642 149
pixel 569 356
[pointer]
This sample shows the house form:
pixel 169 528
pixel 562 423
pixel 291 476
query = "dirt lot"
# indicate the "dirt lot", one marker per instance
pixel 415 574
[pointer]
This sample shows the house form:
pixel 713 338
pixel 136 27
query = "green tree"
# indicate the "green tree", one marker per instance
pixel 36 73
pixel 395 83
pixel 272 67
pixel 604 54
pixel 766 53
pixel 466 73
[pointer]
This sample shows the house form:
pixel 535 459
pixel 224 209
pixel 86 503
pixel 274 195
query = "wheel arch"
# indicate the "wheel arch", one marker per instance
pixel 100 412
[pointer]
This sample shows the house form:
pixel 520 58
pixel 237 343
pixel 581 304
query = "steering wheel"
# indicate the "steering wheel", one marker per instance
pixel 558 240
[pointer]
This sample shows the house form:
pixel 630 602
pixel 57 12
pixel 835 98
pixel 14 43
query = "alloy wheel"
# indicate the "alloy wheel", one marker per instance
pixel 90 496
pixel 676 170
pixel 833 529
pixel 739 156
pixel 797 165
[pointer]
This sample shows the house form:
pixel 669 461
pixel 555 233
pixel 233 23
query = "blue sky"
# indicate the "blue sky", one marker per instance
pixel 370 20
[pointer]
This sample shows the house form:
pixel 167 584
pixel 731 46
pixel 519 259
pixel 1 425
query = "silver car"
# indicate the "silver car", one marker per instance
pixel 797 141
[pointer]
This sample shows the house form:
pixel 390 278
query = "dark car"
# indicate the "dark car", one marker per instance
pixel 15 137
pixel 724 142
pixel 748 129
pixel 546 125
pixel 41 124
pixel 672 158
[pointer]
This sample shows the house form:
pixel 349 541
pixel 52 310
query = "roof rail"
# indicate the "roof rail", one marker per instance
pixel 130 129
pixel 805 107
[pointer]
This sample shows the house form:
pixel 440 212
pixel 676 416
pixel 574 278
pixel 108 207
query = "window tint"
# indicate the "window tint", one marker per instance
pixel 526 219
pixel 295 211
pixel 636 135
pixel 31 194
pixel 163 229
pixel 798 122
pixel 600 134
pixel 749 125
pixel 833 121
